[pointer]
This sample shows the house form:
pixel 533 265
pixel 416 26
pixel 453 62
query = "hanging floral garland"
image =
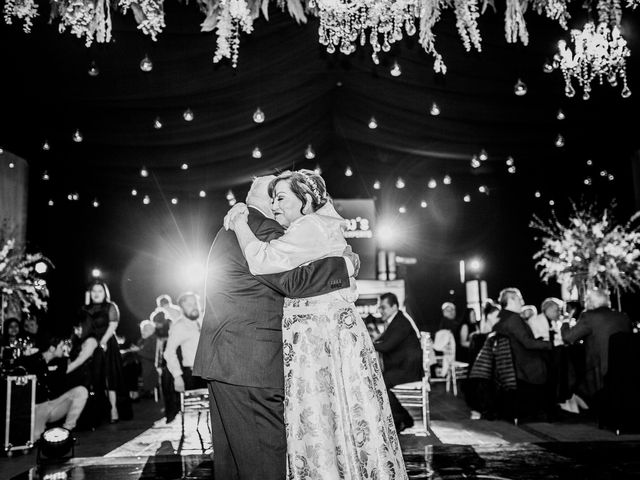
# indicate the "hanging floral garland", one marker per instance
pixel 25 10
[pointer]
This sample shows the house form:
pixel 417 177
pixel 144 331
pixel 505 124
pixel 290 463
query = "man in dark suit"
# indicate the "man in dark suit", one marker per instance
pixel 240 347
pixel 401 355
pixel 528 353
pixel 595 326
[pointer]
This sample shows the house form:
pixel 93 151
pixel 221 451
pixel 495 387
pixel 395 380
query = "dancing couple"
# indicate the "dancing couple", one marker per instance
pixel 295 386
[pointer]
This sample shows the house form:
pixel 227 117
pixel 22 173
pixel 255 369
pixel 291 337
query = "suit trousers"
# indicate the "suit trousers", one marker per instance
pixel 247 426
pixel 391 379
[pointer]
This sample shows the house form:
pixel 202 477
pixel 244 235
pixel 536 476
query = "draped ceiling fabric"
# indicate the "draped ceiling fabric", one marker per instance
pixel 309 97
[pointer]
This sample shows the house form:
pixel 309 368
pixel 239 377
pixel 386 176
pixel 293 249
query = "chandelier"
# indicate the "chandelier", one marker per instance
pixel 599 52
pixel 345 22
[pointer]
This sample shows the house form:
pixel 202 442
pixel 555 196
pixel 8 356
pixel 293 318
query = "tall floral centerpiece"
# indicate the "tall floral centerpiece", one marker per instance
pixel 21 287
pixel 589 250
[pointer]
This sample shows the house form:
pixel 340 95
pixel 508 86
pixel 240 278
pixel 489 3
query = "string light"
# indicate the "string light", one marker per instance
pixel 483 189
pixel 466 198
pixel 520 88
pixel 446 180
pixel 589 163
pixel 376 185
pixel 400 183
pixel 475 163
pixel 552 203
pixel 51 203
pixel 423 204
pixel 45 176
pixel 611 177
pixel 188 115
pixel 12 165
pixel 402 209
pixel 258 116
pixel 257 153
pixel 510 161
pixel 157 124
pixel 537 194
pixel 174 201
pixel 146 65
pixel 134 192
pixel 144 172
pixel 372 123
pixel 483 155
pixel 560 115
pixel 512 169
pixel 435 109
pixel 348 172
pixel 432 183
pixel 395 70
pixel 184 166
pixel 309 154
pixel 202 194
pixel 77 136
pixel 75 197
pixel 95 203
pixel 317 170
pixel 559 141
pixel 603 173
pixel 45 146
pixel 146 200
pixel 93 69
pixel 587 181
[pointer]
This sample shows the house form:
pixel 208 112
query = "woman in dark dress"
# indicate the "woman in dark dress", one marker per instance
pixel 104 316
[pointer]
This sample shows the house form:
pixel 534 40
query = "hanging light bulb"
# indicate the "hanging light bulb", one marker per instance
pixel 547 67
pixel 257 153
pixel 483 155
pixel 77 136
pixel 611 177
pixel 12 165
pixel 258 116
pixel 45 146
pixel 188 115
pixel 587 181
pixel 402 209
pixel 146 65
pixel 317 170
pixel 446 180
pixel 184 166
pixel 520 88
pixel 202 194
pixel 146 200
pixel 483 189
pixel 466 198
pixel 395 70
pixel 230 195
pixel 376 185
pixel 589 163
pixel 70 197
pixel 559 141
pixel 75 196
pixel 372 123
pixel 157 124
pixel 475 163
pixel 435 109
pixel 510 161
pixel 45 176
pixel 432 183
pixel 537 194
pixel 348 172
pixel 560 115
pixel 309 154
pixel 400 183
pixel 603 173
pixel 552 203
pixel 512 169
pixel 174 201
pixel 95 203
pixel 423 204
pixel 232 202
pixel 144 172
pixel 93 71
pixel 51 203
pixel 134 192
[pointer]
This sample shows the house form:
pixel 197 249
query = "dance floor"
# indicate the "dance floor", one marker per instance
pixel 456 447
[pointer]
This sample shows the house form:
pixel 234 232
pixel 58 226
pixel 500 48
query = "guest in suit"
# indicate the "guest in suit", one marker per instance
pixel 240 348
pixel 399 345
pixel 528 353
pixel 595 325
pixel 542 323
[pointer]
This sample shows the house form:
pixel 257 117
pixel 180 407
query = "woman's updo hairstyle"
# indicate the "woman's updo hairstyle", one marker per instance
pixel 303 183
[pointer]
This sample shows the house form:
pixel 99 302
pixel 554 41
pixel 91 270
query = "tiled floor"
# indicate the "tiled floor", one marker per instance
pixel 456 447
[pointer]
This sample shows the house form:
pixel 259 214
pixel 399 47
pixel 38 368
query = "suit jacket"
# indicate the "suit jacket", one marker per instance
pixel 595 327
pixel 528 356
pixel 401 351
pixel 241 337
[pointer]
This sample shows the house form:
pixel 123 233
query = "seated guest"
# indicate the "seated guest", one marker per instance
pixel 542 324
pixel 34 333
pixel 528 311
pixel 12 332
pixel 184 334
pixel 401 355
pixel 147 354
pixel 49 374
pixel 595 325
pixel 448 320
pixel 528 353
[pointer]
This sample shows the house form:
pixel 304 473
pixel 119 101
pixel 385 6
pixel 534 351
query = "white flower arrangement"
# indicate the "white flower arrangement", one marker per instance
pixel 590 250
pixel 21 287
pixel 25 10
pixel 148 13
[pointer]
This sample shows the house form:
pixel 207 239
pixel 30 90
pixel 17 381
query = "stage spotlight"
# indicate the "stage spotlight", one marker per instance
pixel 192 273
pixel 96 273
pixel 56 444
pixel 41 267
pixel 386 235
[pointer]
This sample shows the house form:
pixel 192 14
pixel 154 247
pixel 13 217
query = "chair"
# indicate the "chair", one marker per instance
pixel 448 369
pixel 416 394
pixel 196 400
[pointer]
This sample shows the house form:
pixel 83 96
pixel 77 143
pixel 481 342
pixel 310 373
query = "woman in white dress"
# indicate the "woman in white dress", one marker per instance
pixel 337 415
